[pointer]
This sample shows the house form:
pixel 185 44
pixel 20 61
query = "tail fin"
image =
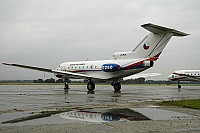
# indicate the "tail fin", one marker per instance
pixel 153 44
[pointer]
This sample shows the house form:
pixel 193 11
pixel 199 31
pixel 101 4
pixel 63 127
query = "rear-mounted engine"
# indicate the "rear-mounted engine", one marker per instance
pixel 148 63
pixel 110 67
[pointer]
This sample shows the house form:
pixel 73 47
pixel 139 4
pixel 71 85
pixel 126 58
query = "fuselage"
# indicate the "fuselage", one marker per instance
pixel 105 69
pixel 185 75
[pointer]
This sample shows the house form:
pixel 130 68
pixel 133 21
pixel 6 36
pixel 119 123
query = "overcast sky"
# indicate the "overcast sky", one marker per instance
pixel 49 32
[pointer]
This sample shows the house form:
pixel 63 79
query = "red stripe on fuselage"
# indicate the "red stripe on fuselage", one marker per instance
pixel 179 78
pixel 134 65
pixel 155 57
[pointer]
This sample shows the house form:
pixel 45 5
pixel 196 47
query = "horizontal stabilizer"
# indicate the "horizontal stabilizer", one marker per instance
pixel 156 29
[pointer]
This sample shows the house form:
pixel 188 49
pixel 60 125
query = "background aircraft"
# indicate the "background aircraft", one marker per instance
pixel 184 75
pixel 123 64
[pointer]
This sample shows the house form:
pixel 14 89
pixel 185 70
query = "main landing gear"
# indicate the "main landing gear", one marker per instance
pixel 91 86
pixel 116 85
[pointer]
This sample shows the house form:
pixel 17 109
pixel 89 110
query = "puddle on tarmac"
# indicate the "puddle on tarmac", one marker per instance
pixel 96 115
pixel 123 114
pixel 159 114
pixel 104 115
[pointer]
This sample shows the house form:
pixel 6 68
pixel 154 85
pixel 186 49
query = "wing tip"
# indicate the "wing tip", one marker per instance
pixel 5 63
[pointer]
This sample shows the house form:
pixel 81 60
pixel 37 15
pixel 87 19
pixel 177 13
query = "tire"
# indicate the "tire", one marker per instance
pixel 90 86
pixel 117 86
pixel 179 86
pixel 66 86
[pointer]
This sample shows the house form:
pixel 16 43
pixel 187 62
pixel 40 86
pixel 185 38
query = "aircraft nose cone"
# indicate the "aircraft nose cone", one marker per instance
pixel 169 77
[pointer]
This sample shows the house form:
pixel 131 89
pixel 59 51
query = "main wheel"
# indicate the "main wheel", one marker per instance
pixel 117 86
pixel 66 86
pixel 90 86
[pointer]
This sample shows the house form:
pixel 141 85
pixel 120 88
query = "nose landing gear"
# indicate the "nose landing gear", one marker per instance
pixel 179 86
pixel 66 85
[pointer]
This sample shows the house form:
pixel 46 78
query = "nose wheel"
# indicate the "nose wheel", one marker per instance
pixel 66 85
pixel 179 86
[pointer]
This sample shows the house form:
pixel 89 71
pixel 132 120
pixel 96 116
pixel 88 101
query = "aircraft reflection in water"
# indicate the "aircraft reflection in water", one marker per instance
pixel 106 115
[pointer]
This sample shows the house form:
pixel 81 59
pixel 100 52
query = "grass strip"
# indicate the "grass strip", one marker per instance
pixel 193 104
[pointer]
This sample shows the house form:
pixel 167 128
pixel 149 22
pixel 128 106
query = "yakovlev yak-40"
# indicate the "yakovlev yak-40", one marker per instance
pixel 123 64
pixel 184 75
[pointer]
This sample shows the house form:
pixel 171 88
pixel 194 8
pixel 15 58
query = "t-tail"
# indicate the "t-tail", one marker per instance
pixel 152 45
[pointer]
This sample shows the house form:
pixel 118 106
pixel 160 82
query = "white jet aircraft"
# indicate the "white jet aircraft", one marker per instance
pixel 184 75
pixel 123 64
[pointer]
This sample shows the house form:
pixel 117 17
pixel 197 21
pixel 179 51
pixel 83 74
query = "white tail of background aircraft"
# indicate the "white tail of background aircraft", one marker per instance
pixel 122 65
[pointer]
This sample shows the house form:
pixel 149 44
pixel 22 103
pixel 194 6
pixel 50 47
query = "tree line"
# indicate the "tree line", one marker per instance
pixel 51 80
pixel 132 81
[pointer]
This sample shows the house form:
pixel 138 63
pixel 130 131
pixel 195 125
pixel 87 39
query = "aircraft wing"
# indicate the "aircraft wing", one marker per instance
pixel 136 76
pixel 29 67
pixel 188 76
pixel 62 73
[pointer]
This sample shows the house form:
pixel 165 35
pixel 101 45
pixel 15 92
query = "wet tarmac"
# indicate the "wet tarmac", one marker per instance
pixel 50 104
